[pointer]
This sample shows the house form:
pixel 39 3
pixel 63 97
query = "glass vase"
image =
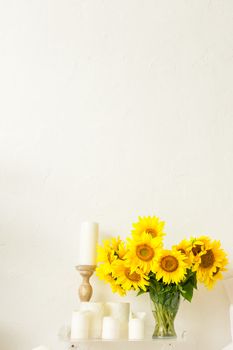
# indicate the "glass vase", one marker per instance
pixel 164 312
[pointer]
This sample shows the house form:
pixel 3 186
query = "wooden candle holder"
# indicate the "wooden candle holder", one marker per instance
pixel 85 289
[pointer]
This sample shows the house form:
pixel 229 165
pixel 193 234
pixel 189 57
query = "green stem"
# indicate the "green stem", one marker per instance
pixel 164 316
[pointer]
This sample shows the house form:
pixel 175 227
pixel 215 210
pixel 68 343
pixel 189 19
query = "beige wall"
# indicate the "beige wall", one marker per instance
pixel 109 110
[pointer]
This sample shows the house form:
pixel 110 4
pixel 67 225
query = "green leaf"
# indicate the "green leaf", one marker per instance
pixel 141 291
pixel 187 291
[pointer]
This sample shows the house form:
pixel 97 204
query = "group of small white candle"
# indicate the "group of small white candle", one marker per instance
pixel 106 321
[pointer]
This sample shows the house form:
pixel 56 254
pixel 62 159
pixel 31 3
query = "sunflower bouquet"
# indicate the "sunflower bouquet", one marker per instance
pixel 141 263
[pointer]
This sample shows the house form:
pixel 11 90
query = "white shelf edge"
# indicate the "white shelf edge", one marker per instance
pixel 145 340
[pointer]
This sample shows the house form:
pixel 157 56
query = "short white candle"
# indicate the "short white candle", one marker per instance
pixel 88 239
pixel 136 329
pixel 80 325
pixel 111 328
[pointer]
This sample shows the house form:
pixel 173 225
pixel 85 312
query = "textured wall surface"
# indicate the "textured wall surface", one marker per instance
pixel 110 110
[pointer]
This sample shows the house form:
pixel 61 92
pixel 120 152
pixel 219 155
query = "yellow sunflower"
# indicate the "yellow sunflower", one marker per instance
pixel 121 251
pixel 116 288
pixel 184 248
pixel 197 248
pixel 149 224
pixel 127 278
pixel 170 266
pixel 104 272
pixel 111 250
pixel 119 247
pixel 105 253
pixel 212 262
pixel 142 252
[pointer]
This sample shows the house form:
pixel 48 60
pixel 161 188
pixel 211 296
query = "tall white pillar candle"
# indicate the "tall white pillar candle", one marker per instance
pixel 111 328
pixel 88 239
pixel 97 313
pixel 136 329
pixel 80 325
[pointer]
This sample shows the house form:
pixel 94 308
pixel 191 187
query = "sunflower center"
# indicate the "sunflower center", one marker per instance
pixel 151 232
pixel 144 252
pixel 182 251
pixel 207 260
pixel 134 276
pixel 196 250
pixel 169 263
